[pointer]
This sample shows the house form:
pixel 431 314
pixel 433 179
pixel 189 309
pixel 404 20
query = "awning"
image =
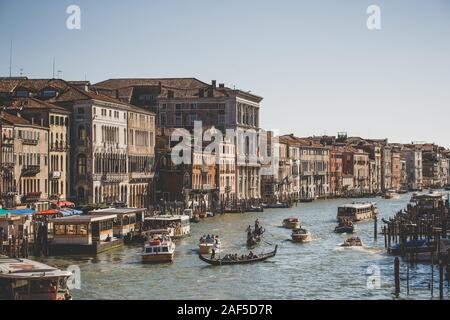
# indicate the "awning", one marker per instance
pixel 70 212
pixel 51 211
pixel 65 204
pixel 3 211
pixel 21 211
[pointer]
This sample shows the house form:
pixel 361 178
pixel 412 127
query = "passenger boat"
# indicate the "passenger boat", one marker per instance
pixel 178 226
pixel 160 248
pixel 206 245
pixel 246 260
pixel 357 212
pixel 391 194
pixel 23 279
pixel 301 235
pixel 306 200
pixel 352 242
pixel 291 223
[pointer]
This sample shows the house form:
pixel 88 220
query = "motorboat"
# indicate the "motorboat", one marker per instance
pixel 160 248
pixel 206 244
pixel 352 242
pixel 301 235
pixel 291 223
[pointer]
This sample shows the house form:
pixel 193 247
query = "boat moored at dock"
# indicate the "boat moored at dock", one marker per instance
pixel 178 226
pixel 357 212
pixel 85 234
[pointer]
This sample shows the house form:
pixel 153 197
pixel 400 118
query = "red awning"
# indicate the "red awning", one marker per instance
pixel 65 204
pixel 51 211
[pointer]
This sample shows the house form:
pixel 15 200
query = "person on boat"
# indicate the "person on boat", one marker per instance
pixel 256 224
pixel 213 253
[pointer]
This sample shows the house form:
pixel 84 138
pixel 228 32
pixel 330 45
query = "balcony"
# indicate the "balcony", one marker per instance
pixel 7 141
pixel 111 177
pixel 59 146
pixel 32 196
pixel 30 170
pixel 30 142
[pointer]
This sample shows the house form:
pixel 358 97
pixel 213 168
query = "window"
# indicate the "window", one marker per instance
pixel 81 132
pixel 52 120
pixel 60 229
pixel 81 164
pixel 178 106
pixel 47 93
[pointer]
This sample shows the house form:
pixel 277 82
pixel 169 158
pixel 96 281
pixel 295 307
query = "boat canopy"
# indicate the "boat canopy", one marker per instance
pixel 70 212
pixel 22 211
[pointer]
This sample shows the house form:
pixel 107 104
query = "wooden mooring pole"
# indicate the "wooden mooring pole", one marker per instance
pixel 375 229
pixel 397 276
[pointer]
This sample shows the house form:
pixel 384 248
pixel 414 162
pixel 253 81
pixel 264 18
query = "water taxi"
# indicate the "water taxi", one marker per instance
pixel 23 279
pixel 178 226
pixel 160 248
pixel 345 227
pixel 391 194
pixel 301 235
pixel 357 212
pixel 291 223
pixel 207 244
pixel 352 242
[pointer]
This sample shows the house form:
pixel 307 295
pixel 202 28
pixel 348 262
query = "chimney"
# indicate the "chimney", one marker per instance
pixel 170 94
pixel 117 94
pixel 159 87
pixel 221 85
pixel 213 83
pixel 201 92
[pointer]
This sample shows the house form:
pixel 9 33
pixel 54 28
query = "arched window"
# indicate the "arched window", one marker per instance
pixel 81 164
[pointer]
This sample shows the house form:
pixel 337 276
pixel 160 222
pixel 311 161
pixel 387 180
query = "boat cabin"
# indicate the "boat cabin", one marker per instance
pixel 177 225
pixel 429 203
pixel 23 279
pixel 84 234
pixel 357 212
pixel 128 220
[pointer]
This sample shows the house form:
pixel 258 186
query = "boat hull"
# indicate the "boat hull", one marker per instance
pixel 301 237
pixel 291 225
pixel 157 258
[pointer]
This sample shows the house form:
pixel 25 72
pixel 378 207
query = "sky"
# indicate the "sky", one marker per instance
pixel 318 67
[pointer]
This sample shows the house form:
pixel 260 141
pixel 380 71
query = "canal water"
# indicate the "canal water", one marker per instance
pixel 320 269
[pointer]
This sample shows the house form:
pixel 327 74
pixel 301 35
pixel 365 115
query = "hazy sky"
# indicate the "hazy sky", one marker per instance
pixel 318 67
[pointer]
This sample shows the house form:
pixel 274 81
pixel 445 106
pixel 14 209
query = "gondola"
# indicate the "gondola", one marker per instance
pixel 221 262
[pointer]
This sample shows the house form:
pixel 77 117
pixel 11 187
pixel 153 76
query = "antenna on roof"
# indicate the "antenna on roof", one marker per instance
pixel 10 58
pixel 53 77
pixel 58 74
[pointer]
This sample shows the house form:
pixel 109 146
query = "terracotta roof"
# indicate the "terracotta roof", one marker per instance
pixel 179 88
pixel 12 119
